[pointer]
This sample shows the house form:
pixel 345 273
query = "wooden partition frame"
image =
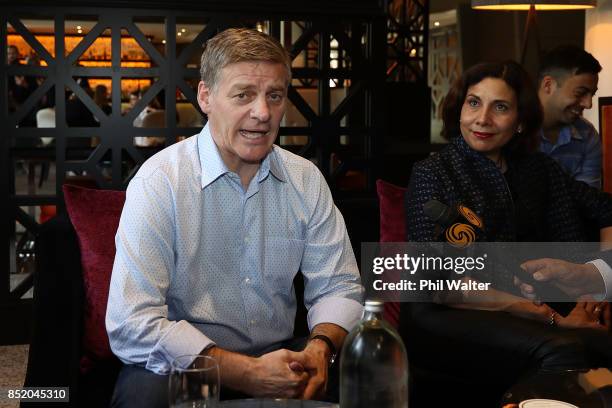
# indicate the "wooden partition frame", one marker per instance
pixel 377 42
pixel 605 132
pixel 358 26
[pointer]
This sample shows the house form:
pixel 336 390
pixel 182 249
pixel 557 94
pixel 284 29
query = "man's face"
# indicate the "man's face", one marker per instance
pixel 567 99
pixel 133 100
pixel 12 54
pixel 244 110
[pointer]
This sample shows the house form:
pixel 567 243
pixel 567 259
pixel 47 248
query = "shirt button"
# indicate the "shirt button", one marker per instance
pixel 253 322
pixel 247 280
pixel 247 239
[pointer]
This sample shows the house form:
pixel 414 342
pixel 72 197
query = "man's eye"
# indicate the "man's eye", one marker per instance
pixel 241 95
pixel 275 97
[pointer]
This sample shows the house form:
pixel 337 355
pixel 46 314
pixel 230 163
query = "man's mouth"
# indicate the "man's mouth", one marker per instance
pixel 253 134
pixel 575 111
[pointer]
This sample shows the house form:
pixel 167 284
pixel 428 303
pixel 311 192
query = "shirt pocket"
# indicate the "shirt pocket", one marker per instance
pixel 282 260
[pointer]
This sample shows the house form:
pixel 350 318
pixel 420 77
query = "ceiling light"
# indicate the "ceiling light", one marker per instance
pixel 532 6
pixel 163 41
pixel 437 24
pixel 183 30
pixel 538 4
pixel 179 33
pixel 79 27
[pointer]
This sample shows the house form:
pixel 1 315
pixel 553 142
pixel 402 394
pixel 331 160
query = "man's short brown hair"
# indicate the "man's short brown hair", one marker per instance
pixel 240 45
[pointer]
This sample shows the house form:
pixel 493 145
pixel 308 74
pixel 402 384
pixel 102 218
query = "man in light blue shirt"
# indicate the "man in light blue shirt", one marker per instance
pixel 214 230
pixel 568 78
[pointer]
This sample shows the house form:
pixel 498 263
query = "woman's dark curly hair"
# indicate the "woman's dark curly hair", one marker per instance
pixel 529 108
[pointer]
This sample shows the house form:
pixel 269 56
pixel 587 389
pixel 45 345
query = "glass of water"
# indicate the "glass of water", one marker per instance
pixel 194 382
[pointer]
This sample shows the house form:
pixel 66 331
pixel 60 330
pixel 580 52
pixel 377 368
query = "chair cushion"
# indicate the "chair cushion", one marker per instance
pixel 392 229
pixel 95 217
pixel 392 213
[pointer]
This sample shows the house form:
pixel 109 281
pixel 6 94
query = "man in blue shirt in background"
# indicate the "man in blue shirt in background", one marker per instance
pixel 212 234
pixel 568 78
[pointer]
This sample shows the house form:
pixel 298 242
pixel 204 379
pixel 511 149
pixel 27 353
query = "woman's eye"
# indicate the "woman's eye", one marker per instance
pixel 501 108
pixel 473 103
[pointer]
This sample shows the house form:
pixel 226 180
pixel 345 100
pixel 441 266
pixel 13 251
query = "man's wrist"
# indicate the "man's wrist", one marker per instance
pixel 327 345
pixel 249 374
pixel 601 276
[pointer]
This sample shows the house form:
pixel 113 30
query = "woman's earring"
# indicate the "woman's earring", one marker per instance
pixel 519 129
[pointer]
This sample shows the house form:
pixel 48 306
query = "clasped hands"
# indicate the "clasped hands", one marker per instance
pixel 289 374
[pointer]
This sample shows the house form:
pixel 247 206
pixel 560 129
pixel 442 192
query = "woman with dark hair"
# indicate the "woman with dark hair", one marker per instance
pixel 491 118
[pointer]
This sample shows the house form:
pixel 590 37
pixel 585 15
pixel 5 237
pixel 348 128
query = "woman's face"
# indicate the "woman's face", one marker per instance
pixel 489 116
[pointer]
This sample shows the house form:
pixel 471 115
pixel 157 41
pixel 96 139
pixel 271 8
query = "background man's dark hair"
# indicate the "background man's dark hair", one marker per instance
pixel 567 60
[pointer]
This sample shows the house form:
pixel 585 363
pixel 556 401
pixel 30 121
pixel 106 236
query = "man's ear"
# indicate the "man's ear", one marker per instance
pixel 548 84
pixel 204 94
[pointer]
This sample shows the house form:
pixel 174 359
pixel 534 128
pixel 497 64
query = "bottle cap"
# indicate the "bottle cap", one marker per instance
pixel 374 306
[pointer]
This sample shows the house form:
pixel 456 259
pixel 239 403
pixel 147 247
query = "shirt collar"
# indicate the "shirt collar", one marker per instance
pixel 575 134
pixel 213 167
pixel 211 163
pixel 566 133
pixel 273 163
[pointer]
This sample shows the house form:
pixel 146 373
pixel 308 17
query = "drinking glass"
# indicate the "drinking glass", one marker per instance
pixel 194 382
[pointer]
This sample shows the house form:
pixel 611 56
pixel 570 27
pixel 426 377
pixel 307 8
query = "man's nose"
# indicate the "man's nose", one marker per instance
pixel 587 101
pixel 260 110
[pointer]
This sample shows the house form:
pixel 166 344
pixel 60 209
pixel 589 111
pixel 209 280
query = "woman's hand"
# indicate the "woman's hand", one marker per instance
pixel 531 310
pixel 587 315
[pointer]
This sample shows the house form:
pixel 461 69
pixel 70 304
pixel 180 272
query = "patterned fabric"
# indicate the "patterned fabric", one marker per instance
pixel 560 206
pixel 578 151
pixel 200 261
pixel 556 207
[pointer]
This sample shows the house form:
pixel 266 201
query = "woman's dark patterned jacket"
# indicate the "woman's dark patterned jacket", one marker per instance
pixel 557 207
pixel 545 201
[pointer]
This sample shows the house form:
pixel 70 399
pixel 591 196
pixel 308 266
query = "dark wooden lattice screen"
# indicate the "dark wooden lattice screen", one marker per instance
pixel 339 64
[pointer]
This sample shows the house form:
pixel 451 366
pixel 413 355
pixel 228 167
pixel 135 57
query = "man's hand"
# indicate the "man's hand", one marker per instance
pixel 277 374
pixel 315 361
pixel 315 358
pixel 574 279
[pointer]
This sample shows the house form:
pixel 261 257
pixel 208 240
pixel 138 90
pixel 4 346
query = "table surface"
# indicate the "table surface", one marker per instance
pixel 275 403
pixel 584 389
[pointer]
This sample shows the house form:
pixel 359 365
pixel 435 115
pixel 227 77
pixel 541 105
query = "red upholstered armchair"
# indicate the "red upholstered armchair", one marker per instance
pixel 74 254
pixel 392 228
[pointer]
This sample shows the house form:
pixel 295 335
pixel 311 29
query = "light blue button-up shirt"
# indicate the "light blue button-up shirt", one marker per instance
pixel 200 261
pixel 577 150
